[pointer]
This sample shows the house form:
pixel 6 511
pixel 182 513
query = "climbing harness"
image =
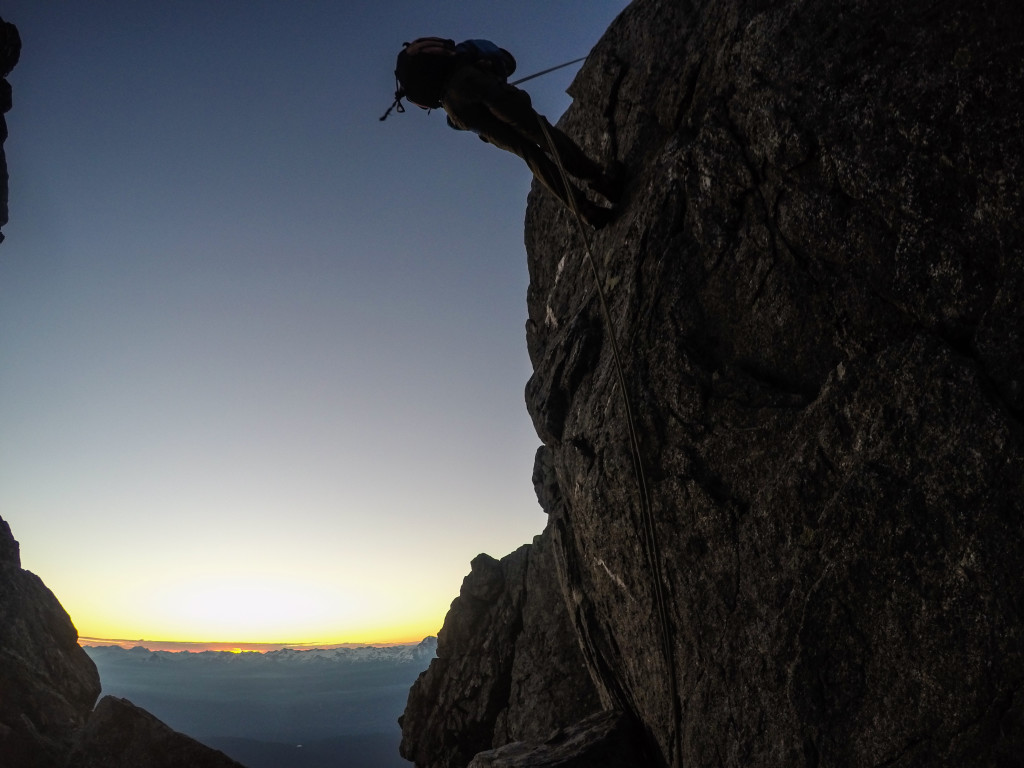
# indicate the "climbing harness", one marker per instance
pixel 646 512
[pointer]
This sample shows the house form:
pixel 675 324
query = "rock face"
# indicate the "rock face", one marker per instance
pixel 47 683
pixel 10 52
pixel 121 735
pixel 816 286
pixel 507 669
pixel 599 741
pixel 48 686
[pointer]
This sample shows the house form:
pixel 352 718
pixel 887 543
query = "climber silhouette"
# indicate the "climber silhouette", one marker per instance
pixel 470 82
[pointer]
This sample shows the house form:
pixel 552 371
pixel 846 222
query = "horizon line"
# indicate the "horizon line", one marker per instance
pixel 235 647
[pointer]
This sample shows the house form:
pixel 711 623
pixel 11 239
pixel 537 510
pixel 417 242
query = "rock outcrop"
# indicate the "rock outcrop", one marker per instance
pixel 507 668
pixel 603 740
pixel 48 686
pixel 816 285
pixel 121 735
pixel 10 52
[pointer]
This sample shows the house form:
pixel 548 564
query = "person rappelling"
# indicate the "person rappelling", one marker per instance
pixel 470 82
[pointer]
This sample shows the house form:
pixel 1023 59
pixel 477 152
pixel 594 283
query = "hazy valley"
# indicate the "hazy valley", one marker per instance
pixel 282 709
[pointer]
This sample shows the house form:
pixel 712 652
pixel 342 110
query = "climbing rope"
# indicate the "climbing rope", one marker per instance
pixel 397 105
pixel 545 71
pixel 646 512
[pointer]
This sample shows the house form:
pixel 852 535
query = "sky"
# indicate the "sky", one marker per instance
pixel 262 356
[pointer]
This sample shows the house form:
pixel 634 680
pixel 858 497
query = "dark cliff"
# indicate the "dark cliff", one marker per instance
pixel 816 285
pixel 48 686
pixel 507 667
pixel 10 53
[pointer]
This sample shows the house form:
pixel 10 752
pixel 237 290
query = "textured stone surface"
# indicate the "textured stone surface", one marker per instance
pixel 602 740
pixel 121 735
pixel 47 683
pixel 508 667
pixel 816 287
pixel 10 52
pixel 816 283
pixel 48 686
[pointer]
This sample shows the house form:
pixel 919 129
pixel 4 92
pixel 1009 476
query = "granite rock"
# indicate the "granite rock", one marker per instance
pixel 10 52
pixel 507 667
pixel 815 285
pixel 121 735
pixel 602 740
pixel 48 687
pixel 47 682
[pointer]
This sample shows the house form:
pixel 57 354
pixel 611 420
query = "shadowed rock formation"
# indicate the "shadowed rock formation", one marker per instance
pixel 47 683
pixel 10 52
pixel 48 686
pixel 507 667
pixel 121 735
pixel 599 741
pixel 816 283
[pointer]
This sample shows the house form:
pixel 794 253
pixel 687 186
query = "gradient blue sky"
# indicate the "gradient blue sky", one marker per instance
pixel 262 356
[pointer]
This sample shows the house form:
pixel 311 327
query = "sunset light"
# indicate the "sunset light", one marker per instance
pixel 238 613
pixel 600 383
pixel 254 390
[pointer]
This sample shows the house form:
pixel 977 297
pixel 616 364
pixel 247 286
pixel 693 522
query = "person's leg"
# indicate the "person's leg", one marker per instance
pixel 608 184
pixel 479 102
pixel 513 106
pixel 544 169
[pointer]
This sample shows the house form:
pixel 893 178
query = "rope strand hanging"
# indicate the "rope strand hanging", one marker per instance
pixel 646 512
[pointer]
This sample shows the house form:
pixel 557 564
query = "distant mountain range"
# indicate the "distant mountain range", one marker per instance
pixel 287 708
pixel 416 653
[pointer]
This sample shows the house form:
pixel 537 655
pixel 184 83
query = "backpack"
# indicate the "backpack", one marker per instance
pixel 425 65
pixel 484 53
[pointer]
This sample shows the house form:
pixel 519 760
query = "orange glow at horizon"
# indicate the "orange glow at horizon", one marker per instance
pixel 199 647
pixel 260 613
